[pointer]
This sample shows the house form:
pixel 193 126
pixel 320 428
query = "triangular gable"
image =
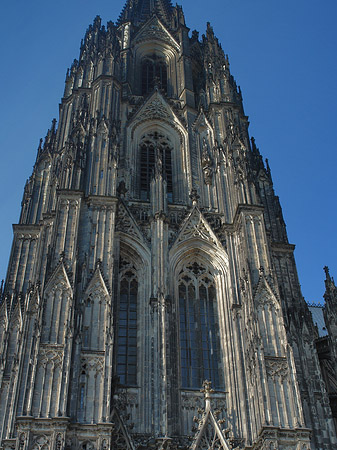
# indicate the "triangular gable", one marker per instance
pixel 209 434
pixel 58 277
pixel 34 299
pixel 153 29
pixel 103 126
pixel 16 311
pixel 155 108
pixel 196 226
pixel 97 283
pixel 3 314
pixel 120 433
pixel 127 224
pixel 264 294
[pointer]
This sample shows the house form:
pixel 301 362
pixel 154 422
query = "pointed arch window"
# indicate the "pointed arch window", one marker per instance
pixel 154 146
pixel 199 340
pixel 127 326
pixel 154 72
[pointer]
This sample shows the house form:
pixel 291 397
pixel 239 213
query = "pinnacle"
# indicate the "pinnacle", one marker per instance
pixel 140 10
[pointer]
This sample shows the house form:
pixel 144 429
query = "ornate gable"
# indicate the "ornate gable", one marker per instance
pixel 153 29
pixel 196 226
pixel 103 126
pixel 120 438
pixel 16 314
pixel 3 315
pixel 98 283
pixel 209 434
pixel 264 294
pixel 155 108
pixel 127 224
pixel 59 278
pixel 34 300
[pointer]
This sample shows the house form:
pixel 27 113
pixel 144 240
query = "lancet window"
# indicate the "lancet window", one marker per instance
pixel 127 325
pixel 199 340
pixel 155 154
pixel 154 72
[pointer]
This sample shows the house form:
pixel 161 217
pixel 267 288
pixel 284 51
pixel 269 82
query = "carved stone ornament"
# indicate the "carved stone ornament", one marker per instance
pixel 41 443
pixel 155 109
pixel 277 368
pixel 155 30
pixel 59 442
pixel 210 434
pixel 92 363
pixel 22 441
pixel 197 226
pixel 51 356
pixel 126 224
pixel 206 163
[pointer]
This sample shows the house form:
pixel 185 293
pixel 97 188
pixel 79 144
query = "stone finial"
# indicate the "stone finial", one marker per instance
pixel 194 197
pixel 207 391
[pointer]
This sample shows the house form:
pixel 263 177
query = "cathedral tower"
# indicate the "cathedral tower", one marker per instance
pixel 151 261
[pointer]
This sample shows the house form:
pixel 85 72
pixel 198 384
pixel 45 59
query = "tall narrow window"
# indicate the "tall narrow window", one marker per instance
pixel 147 162
pixel 153 145
pixel 199 341
pixel 127 328
pixel 154 72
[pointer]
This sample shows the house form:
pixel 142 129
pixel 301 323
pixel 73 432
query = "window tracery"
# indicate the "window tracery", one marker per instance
pixel 155 151
pixel 154 72
pixel 127 325
pixel 199 341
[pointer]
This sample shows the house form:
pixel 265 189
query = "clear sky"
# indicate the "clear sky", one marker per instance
pixel 282 54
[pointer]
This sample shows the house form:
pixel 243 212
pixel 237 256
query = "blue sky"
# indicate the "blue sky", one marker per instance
pixel 282 54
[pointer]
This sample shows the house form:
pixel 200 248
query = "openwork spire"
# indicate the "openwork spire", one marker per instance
pixel 138 11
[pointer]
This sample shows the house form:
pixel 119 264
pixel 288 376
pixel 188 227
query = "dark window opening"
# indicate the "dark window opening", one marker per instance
pixel 153 147
pixel 127 330
pixel 154 72
pixel 199 341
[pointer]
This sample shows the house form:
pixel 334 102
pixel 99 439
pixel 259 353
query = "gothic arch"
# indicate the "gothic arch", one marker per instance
pixel 270 319
pixel 96 313
pixel 200 281
pixel 215 266
pixel 56 307
pixel 133 284
pixel 153 39
pixel 170 129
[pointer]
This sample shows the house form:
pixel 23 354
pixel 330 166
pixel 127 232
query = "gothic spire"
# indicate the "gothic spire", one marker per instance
pixel 138 11
pixel 330 295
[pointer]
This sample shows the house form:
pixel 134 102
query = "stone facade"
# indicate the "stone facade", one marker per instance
pixel 151 255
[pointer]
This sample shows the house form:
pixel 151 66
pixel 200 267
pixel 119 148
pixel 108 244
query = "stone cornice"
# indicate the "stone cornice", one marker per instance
pixel 69 193
pixel 101 200
pixel 282 247
pixel 27 231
